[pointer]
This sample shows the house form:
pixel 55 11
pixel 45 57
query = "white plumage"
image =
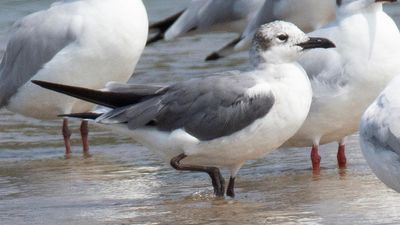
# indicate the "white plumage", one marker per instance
pixel 347 79
pixel 86 43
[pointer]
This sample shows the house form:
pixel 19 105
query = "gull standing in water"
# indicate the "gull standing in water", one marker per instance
pixel 380 135
pixel 347 79
pixel 308 15
pixel 85 42
pixel 217 121
pixel 206 15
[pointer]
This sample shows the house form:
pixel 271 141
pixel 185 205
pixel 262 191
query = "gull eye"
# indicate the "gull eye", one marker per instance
pixel 283 37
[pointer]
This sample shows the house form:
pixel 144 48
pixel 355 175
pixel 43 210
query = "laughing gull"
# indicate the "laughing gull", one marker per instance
pixel 206 15
pixel 347 79
pixel 221 120
pixel 86 43
pixel 380 135
pixel 308 15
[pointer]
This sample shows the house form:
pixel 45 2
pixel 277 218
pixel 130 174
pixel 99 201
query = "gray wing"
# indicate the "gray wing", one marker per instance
pixel 394 132
pixel 382 125
pixel 205 108
pixel 33 42
pixel 264 15
pixel 202 14
pixel 188 20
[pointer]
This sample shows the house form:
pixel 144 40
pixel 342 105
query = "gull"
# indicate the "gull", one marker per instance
pixel 308 15
pixel 221 120
pixel 204 16
pixel 347 79
pixel 86 43
pixel 380 135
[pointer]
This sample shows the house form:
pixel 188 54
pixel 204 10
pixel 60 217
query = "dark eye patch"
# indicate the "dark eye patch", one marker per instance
pixel 338 2
pixel 283 37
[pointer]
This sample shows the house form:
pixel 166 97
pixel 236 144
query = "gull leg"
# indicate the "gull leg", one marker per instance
pixel 231 188
pixel 67 136
pixel 341 155
pixel 315 158
pixel 230 191
pixel 84 134
pixel 214 173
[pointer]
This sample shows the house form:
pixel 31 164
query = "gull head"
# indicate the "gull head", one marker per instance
pixel 282 42
pixel 354 6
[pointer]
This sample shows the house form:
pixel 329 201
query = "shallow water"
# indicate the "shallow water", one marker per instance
pixel 123 183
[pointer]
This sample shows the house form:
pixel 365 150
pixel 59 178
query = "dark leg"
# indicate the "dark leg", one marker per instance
pixel 84 135
pixel 216 177
pixel 315 158
pixel 341 156
pixel 231 188
pixel 67 135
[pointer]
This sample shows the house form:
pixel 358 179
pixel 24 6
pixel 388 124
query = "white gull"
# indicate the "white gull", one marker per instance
pixel 345 80
pixel 85 42
pixel 217 121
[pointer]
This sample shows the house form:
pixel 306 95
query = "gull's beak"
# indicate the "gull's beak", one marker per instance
pixel 317 43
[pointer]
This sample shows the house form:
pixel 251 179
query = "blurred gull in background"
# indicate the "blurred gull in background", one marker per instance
pixel 86 43
pixel 206 16
pixel 347 79
pixel 308 15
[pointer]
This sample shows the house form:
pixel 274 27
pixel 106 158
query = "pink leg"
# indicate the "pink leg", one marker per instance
pixel 67 135
pixel 84 135
pixel 341 156
pixel 315 158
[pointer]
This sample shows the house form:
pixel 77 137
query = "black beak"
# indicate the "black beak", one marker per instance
pixel 317 43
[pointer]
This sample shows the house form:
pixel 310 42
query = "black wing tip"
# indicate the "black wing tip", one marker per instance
pixel 166 23
pixel 220 53
pixel 158 37
pixel 39 82
pixel 162 26
pixel 48 85
pixel 213 57
pixel 86 115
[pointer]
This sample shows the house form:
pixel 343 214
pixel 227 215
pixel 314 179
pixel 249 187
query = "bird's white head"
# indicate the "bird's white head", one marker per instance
pixel 355 6
pixel 282 42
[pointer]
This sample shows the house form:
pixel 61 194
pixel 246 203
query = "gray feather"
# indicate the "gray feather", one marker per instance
pixel 30 47
pixel 135 116
pixel 384 128
pixel 264 15
pixel 205 108
pixel 140 89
